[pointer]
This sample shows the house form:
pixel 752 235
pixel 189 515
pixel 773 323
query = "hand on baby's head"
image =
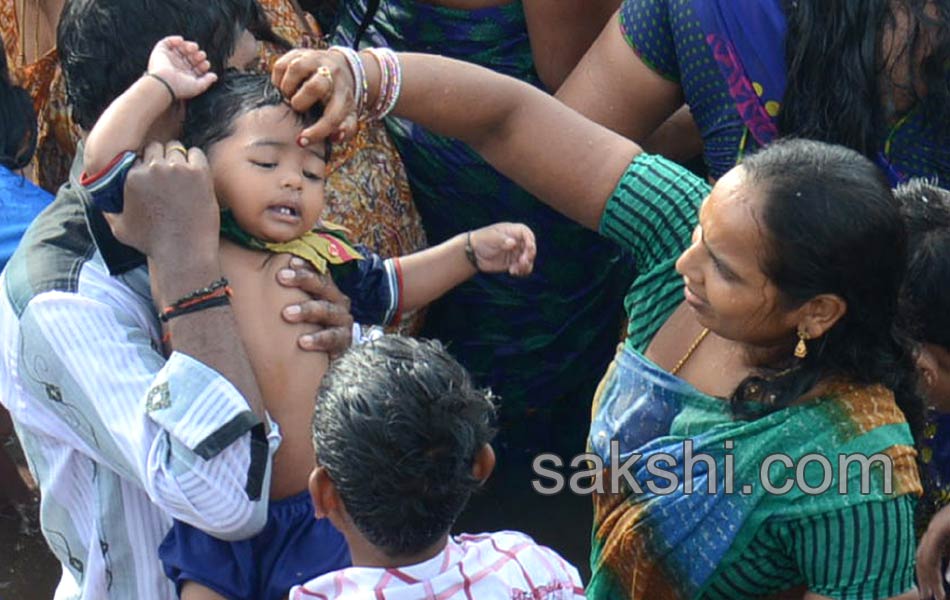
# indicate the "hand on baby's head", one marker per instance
pixel 183 65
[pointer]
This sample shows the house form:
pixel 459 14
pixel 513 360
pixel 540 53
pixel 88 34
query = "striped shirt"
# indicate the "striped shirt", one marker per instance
pixel 503 565
pixel 120 440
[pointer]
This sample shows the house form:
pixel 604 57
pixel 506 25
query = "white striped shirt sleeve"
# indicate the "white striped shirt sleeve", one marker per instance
pixel 179 428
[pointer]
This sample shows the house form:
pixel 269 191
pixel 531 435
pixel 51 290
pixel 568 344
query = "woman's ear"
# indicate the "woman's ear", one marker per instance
pixel 484 463
pixel 820 314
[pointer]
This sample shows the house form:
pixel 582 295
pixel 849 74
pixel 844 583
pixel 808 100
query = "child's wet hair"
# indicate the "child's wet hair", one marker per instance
pixel 210 117
pixel 397 426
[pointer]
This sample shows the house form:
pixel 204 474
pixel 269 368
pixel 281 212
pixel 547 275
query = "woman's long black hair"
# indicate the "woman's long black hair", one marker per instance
pixel 836 67
pixel 17 121
pixel 833 226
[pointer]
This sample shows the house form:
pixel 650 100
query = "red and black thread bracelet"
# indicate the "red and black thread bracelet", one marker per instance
pixel 216 294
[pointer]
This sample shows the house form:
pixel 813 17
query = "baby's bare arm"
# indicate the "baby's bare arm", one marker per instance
pixel 178 70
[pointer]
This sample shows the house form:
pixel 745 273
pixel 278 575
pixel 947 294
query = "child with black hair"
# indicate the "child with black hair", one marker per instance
pixel 926 211
pixel 270 190
pixel 925 208
pixel 402 440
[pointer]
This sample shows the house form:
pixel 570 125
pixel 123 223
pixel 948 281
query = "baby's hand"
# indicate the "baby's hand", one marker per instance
pixel 504 247
pixel 183 65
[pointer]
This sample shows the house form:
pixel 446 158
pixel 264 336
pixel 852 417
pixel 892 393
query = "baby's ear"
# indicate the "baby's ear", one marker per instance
pixel 484 463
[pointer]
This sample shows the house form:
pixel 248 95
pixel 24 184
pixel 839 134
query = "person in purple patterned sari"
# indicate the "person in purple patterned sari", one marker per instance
pixel 868 74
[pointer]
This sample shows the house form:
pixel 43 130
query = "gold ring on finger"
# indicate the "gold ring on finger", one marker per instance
pixel 324 71
pixel 177 148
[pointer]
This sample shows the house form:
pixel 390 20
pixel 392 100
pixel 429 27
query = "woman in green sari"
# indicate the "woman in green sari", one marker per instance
pixel 762 321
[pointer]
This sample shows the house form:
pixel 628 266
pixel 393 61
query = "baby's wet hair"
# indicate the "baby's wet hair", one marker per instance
pixel 210 117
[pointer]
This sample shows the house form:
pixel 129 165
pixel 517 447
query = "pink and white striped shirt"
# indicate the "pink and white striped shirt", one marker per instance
pixel 505 566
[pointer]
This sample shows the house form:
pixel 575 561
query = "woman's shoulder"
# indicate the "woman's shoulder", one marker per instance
pixel 654 209
pixel 16 188
pixel 868 405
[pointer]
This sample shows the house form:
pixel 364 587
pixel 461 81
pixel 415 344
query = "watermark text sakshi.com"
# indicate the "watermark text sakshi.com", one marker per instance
pixel 665 474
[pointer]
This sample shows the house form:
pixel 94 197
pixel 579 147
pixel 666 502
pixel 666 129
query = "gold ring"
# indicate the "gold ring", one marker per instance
pixel 324 71
pixel 177 148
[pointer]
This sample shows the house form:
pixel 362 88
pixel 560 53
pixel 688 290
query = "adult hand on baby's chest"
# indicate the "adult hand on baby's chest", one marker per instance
pixel 328 309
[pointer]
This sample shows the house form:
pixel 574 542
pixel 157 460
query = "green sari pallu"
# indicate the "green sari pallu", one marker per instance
pixel 654 544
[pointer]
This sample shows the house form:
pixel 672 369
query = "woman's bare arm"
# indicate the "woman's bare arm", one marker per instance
pixel 613 87
pixel 678 138
pixel 564 159
pixel 561 31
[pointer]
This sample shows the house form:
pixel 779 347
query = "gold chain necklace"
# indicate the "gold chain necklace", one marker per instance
pixel 699 340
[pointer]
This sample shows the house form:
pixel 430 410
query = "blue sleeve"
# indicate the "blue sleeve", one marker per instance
pixel 20 202
pixel 106 187
pixel 646 26
pixel 373 285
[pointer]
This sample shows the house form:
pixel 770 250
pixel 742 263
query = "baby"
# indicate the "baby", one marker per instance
pixel 271 193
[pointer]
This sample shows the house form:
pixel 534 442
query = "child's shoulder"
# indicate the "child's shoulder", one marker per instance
pixel 515 555
pixel 322 247
pixel 238 256
pixel 511 543
pixel 497 538
pixel 338 244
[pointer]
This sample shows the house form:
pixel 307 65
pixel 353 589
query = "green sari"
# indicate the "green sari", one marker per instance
pixel 651 543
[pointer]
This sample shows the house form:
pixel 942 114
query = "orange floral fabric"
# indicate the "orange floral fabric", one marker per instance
pixel 43 79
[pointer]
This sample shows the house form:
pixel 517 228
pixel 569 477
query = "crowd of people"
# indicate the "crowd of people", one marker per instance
pixel 479 232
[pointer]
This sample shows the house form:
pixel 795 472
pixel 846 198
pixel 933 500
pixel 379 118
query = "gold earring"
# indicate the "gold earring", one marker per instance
pixel 801 350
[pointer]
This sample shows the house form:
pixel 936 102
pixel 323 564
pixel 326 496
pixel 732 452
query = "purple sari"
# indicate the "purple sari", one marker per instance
pixel 747 38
